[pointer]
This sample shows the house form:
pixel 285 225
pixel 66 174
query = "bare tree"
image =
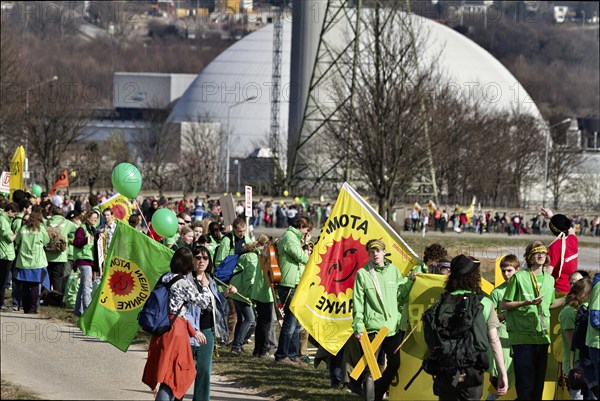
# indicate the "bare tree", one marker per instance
pixel 91 165
pixel 199 156
pixel 53 124
pixel 158 147
pixel 563 161
pixel 12 80
pixel 380 134
pixel 118 149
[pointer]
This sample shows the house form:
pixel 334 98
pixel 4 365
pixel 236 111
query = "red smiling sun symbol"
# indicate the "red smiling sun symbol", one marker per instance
pixel 340 263
pixel 119 211
pixel 121 283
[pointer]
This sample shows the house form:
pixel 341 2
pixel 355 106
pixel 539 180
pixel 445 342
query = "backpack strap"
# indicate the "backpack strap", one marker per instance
pixel 378 290
pixel 169 285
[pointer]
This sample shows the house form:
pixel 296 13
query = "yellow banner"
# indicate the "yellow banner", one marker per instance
pixel 120 205
pixel 323 300
pixel 426 289
pixel 17 167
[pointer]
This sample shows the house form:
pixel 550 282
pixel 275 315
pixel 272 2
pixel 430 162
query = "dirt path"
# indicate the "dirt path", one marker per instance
pixel 57 362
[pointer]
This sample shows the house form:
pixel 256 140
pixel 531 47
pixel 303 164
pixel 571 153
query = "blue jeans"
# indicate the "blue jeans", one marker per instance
pixel 289 337
pixel 84 295
pixel 530 361
pixel 245 325
pixel 164 393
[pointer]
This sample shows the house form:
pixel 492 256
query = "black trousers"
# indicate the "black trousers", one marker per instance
pixel 56 271
pixel 30 295
pixel 446 391
pixel 388 346
pixel 264 322
pixel 5 266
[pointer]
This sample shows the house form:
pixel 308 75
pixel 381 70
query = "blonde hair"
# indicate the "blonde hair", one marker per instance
pixel 533 248
pixel 261 241
pixel 579 292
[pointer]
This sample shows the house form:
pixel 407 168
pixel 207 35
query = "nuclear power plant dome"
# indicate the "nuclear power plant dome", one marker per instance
pixel 235 89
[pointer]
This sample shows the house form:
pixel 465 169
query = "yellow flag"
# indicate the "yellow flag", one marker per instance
pixel 120 205
pixel 322 302
pixel 17 167
pixel 470 211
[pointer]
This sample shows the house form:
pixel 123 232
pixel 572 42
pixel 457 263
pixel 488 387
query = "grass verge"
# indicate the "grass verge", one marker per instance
pixel 282 382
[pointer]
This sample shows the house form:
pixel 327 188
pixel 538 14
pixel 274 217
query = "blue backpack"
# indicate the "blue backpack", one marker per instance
pixel 154 317
pixel 224 271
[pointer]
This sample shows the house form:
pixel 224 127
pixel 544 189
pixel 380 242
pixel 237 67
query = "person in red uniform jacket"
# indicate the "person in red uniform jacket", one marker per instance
pixel 563 251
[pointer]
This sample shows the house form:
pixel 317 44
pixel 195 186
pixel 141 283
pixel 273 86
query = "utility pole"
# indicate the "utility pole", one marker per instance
pixel 277 12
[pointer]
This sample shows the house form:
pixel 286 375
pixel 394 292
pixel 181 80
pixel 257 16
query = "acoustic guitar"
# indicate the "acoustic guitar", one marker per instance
pixel 272 272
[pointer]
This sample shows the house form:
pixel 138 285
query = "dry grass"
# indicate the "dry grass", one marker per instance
pixel 9 391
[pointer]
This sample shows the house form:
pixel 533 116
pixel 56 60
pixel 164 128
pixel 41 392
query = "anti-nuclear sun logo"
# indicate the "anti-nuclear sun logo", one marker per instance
pixel 340 263
pixel 126 287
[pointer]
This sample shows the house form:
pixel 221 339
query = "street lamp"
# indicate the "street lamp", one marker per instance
pixel 566 120
pixel 237 163
pixel 229 139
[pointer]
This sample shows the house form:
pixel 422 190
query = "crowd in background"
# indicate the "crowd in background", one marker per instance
pixel 39 270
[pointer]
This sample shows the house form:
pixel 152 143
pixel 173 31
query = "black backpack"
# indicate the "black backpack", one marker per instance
pixel 580 332
pixel 455 331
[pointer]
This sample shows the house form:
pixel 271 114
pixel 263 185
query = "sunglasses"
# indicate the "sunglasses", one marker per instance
pixel 188 221
pixel 202 258
pixel 181 223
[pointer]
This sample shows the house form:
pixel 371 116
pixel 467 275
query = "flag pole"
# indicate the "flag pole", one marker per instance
pixel 237 293
pixel 142 214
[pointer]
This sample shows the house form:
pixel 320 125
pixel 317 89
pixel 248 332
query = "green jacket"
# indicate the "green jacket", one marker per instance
pixel 7 246
pixel 367 309
pixel 291 257
pixel 66 227
pixel 17 222
pixel 243 275
pixel 31 248
pixel 86 252
pixel 592 337
pixel 226 247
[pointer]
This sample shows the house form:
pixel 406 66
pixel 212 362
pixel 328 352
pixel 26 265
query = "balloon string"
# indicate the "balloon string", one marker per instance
pixel 142 214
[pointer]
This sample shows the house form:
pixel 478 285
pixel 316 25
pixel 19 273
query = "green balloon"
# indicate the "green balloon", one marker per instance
pixel 127 180
pixel 164 222
pixel 36 190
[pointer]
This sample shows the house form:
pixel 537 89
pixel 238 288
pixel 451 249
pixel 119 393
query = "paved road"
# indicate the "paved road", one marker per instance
pixel 56 361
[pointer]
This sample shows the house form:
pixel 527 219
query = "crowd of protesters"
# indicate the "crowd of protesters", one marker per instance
pixel 424 220
pixel 38 270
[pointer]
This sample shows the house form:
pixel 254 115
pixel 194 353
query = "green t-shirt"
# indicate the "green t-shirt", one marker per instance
pixel 566 318
pixel 497 295
pixel 524 324
pixel 592 337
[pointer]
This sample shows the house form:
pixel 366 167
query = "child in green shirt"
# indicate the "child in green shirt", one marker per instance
pixel 509 265
pixel 528 299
